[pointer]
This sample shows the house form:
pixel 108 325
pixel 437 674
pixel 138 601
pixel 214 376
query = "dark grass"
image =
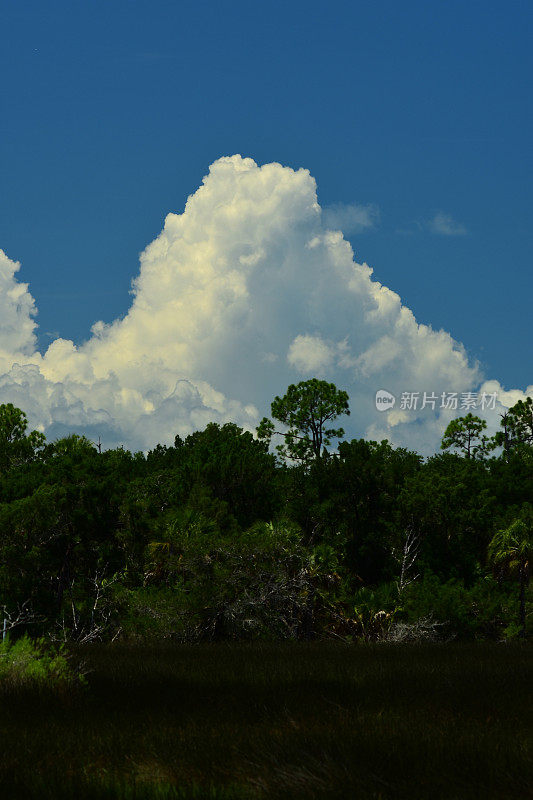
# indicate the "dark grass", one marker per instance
pixel 315 720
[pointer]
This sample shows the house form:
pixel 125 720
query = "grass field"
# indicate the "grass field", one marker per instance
pixel 311 720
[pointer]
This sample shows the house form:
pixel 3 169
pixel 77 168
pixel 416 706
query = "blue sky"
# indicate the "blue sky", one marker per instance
pixel 113 112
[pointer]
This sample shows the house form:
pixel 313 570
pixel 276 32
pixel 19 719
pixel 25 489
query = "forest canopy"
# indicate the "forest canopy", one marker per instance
pixel 218 536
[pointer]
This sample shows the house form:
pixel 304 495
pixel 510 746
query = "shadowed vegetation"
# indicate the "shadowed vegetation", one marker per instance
pixel 317 720
pixel 211 620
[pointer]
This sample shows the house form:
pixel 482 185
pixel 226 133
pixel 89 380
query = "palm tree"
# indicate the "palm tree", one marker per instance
pixel 511 549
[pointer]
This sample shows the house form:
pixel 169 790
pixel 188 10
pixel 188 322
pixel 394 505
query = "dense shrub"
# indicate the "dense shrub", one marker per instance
pixel 203 584
pixel 28 661
pixel 483 610
pixel 431 609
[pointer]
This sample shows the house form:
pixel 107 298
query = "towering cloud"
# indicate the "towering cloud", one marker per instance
pixel 247 290
pixel 17 338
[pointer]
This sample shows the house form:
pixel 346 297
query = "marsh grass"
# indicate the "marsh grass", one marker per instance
pixel 316 720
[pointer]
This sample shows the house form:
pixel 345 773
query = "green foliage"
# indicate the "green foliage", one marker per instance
pixel 306 409
pixel 27 662
pixel 254 583
pixel 368 479
pixel 16 446
pixel 57 540
pixel 374 611
pixel 213 538
pixel 225 461
pixel 511 551
pixel 466 435
pixel 449 504
pixel 517 425
pixel 512 547
pixel 483 610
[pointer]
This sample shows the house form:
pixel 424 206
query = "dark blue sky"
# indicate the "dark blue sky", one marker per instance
pixel 113 111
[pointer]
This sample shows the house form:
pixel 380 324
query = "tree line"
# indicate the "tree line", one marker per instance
pixel 227 535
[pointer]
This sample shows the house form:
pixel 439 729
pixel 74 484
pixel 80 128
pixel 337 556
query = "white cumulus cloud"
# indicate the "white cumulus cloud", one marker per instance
pixel 17 309
pixel 249 289
pixel 310 354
